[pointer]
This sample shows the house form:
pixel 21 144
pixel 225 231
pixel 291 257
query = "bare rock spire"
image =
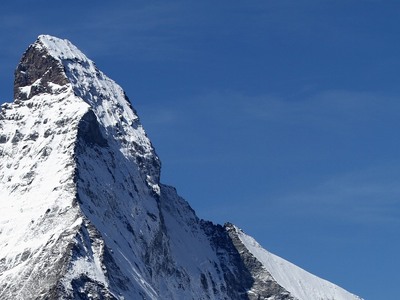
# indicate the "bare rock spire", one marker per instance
pixel 36 72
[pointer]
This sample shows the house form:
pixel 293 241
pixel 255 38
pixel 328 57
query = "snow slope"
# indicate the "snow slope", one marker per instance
pixel 301 284
pixel 37 191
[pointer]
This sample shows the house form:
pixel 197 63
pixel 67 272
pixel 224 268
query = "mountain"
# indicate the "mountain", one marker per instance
pixel 83 212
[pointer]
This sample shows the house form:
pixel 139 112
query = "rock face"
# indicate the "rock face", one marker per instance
pixel 84 215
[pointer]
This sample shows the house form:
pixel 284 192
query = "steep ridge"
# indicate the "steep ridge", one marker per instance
pixel 84 215
pixel 281 275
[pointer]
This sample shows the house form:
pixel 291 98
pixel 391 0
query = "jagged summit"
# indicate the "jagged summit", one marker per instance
pixel 85 216
pixel 52 66
pixel 37 71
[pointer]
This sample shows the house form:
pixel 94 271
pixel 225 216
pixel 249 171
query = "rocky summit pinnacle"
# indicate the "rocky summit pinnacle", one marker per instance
pixel 37 71
pixel 85 216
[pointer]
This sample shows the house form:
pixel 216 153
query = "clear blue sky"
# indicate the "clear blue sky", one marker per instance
pixel 279 116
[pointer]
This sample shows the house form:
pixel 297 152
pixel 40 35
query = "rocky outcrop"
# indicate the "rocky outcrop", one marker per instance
pixel 264 286
pixel 36 72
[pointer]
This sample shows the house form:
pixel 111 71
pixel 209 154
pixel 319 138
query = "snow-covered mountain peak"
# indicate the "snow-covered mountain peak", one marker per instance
pixel 84 215
pixel 60 49
pixel 52 65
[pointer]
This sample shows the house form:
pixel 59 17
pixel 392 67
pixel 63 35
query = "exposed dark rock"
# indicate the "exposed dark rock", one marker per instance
pixel 264 285
pixel 17 137
pixel 36 64
pixel 89 130
pixel 84 288
pixel 236 274
pixel 32 136
pixel 3 138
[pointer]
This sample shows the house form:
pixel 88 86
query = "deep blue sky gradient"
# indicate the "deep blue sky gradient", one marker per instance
pixel 279 116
